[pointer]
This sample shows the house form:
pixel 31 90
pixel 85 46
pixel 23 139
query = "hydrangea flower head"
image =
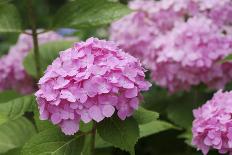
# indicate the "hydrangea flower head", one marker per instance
pixel 90 81
pixel 12 73
pixel 212 127
pixel 137 31
pixel 190 55
pixel 180 41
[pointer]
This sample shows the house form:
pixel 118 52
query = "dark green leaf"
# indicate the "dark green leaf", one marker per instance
pixel 89 13
pixel 121 134
pixel 15 108
pixel 100 143
pixel 53 142
pixel 14 134
pixel 154 127
pixel 48 52
pixel 144 116
pixel 10 20
pixel 181 113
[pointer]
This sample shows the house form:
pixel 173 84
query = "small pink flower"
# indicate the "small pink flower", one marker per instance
pixel 100 80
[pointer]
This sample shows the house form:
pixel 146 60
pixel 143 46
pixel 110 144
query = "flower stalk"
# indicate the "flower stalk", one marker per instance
pixel 32 20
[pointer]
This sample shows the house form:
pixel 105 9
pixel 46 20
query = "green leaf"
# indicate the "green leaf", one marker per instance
pixel 89 13
pixel 144 116
pixel 14 134
pixel 187 135
pixel 8 95
pixel 226 59
pixel 181 113
pixel 16 151
pixel 48 52
pixel 121 134
pixel 100 143
pixel 10 20
pixel 15 108
pixel 154 127
pixel 53 142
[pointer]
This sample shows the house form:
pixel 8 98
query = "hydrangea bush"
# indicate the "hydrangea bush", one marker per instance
pixel 75 77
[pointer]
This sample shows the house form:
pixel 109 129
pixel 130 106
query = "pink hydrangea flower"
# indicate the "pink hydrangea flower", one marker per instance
pixel 212 127
pixel 220 11
pixel 150 19
pixel 190 54
pixel 90 81
pixel 179 40
pixel 12 73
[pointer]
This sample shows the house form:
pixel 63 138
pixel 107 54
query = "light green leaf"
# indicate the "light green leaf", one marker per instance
pixel 89 13
pixel 48 52
pixel 14 134
pixel 121 134
pixel 8 95
pixel 144 116
pixel 10 20
pixel 15 108
pixel 154 127
pixel 53 142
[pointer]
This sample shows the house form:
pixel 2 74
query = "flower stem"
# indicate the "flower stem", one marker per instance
pixel 32 21
pixel 93 135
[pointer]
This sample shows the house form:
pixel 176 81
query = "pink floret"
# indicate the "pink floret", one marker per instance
pixel 90 81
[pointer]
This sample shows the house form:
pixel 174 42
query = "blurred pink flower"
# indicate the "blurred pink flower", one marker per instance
pixel 180 41
pixel 12 73
pixel 90 81
pixel 212 127
pixel 190 54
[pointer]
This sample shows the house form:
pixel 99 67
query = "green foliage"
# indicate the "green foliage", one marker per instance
pixel 154 127
pixel 181 114
pixel 48 52
pixel 14 109
pixel 8 95
pixel 89 13
pixel 14 134
pixel 121 134
pixel 187 136
pixel 227 59
pixel 10 20
pixel 144 116
pixel 53 142
pixel 100 143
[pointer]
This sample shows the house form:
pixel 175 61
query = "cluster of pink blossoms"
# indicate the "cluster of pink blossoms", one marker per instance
pixel 12 73
pixel 181 42
pixel 90 81
pixel 212 127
